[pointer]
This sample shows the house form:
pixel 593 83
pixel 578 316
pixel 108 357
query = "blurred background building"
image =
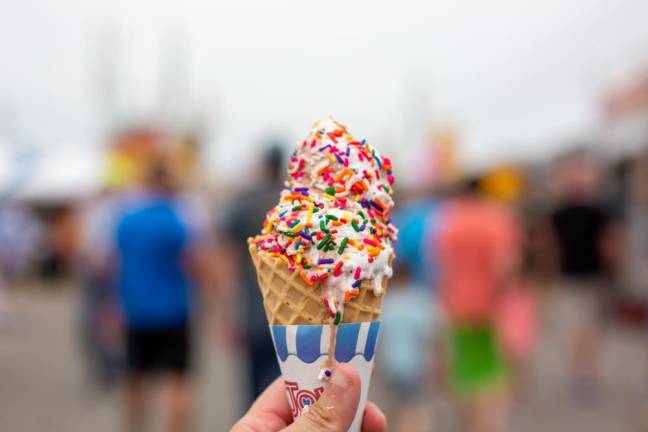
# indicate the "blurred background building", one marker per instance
pixel 544 105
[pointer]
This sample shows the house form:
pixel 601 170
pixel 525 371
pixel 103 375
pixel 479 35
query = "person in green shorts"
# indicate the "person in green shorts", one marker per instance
pixel 477 360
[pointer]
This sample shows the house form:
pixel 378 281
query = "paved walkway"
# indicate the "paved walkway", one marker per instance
pixel 42 386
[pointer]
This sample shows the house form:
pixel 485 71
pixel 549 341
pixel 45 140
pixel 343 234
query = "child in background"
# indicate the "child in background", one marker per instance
pixel 405 338
pixel 517 328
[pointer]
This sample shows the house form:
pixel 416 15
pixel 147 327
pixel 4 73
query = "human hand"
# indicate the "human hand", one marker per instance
pixel 333 412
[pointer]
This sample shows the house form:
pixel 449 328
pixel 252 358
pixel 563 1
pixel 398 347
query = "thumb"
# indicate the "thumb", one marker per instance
pixel 336 408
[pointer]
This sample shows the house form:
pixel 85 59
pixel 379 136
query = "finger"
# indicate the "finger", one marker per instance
pixel 274 400
pixel 263 422
pixel 374 420
pixel 336 408
pixel 270 412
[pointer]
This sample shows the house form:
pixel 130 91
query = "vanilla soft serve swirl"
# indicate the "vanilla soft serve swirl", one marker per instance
pixel 332 222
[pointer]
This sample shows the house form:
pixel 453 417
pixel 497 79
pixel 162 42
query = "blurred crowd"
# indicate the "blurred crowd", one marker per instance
pixel 485 262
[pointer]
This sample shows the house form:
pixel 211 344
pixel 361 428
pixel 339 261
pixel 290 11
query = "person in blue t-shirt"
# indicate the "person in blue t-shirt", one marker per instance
pixel 155 245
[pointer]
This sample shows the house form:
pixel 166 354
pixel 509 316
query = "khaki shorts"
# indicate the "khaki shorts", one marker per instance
pixel 573 306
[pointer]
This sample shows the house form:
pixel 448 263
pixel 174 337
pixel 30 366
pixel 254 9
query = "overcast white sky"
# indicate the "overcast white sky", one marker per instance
pixel 515 77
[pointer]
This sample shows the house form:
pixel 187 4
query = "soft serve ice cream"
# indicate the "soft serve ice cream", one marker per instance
pixel 332 222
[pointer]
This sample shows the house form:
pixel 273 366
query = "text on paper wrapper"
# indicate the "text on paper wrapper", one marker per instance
pixel 301 398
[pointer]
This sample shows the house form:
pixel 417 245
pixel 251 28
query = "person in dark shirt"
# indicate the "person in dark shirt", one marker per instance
pixel 243 220
pixel 582 232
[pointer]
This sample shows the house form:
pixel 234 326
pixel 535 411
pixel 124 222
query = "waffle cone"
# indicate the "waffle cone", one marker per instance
pixel 287 299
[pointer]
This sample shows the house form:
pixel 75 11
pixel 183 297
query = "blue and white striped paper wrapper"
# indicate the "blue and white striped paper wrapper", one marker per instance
pixel 303 349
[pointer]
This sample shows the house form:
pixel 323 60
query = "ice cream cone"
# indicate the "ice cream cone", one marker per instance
pixel 288 300
pixel 300 333
pixel 323 259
